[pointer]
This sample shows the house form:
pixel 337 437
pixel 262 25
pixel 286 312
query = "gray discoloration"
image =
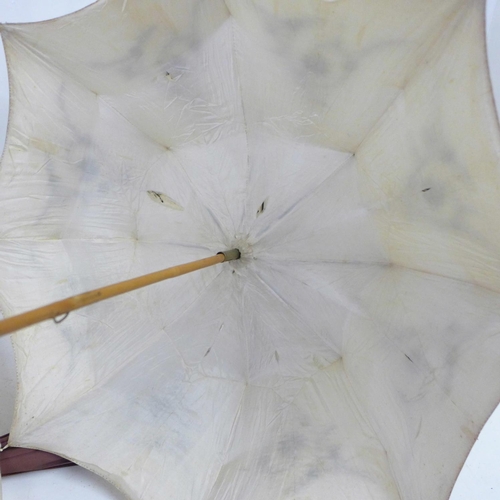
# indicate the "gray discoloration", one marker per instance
pixel 315 64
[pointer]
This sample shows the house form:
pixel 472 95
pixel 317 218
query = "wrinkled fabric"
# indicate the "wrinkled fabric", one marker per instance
pixel 350 150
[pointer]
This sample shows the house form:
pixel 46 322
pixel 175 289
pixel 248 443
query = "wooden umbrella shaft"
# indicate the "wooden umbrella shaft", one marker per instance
pixel 52 311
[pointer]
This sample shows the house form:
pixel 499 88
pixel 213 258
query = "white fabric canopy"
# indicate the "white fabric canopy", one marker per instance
pixel 350 150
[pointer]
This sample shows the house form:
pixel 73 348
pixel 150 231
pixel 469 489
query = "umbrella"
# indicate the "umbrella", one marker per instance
pixel 349 151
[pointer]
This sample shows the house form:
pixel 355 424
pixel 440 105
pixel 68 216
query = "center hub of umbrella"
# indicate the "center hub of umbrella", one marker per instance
pixel 245 248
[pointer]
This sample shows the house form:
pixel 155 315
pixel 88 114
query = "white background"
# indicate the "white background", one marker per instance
pixel 480 477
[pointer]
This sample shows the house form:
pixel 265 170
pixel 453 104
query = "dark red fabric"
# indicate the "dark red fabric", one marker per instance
pixel 16 460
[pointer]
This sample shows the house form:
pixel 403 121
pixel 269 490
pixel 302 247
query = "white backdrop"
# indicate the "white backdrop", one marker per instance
pixel 480 477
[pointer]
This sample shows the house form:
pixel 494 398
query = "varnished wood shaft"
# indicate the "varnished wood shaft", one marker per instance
pixel 64 306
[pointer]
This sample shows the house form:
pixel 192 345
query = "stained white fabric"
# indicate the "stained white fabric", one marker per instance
pixel 350 150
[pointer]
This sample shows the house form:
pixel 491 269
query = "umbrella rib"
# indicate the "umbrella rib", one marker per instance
pixel 198 196
pixel 215 487
pixel 318 290
pixel 147 136
pixel 416 71
pixel 364 413
pixel 297 314
pixel 444 276
pixel 181 167
pixel 237 74
pixel 378 263
pixel 137 353
pixel 294 206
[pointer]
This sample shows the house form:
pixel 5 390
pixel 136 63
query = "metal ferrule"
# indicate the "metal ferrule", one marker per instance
pixel 233 254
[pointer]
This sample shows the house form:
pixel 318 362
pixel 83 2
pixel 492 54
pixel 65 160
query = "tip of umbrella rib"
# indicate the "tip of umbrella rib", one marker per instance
pixel 233 254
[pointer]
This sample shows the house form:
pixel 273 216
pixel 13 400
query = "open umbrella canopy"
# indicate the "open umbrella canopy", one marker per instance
pixel 349 149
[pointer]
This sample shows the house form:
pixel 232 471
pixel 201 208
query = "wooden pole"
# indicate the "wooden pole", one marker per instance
pixel 52 311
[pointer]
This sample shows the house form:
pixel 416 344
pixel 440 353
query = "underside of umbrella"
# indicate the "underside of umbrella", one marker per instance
pixel 349 150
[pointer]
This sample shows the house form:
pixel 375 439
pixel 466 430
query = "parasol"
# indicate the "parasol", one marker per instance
pixel 349 150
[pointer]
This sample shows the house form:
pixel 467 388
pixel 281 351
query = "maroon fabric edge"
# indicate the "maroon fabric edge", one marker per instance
pixel 17 460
